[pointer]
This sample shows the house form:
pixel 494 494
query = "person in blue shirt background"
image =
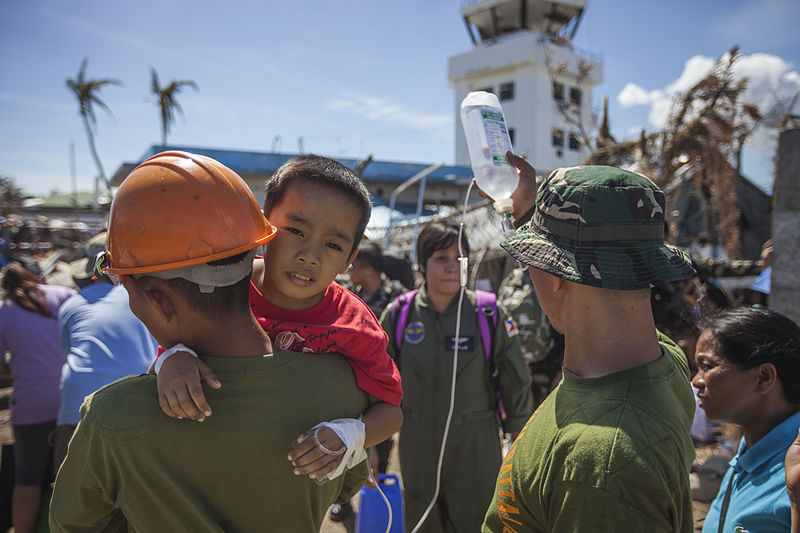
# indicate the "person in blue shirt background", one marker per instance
pixel 101 339
pixel 748 374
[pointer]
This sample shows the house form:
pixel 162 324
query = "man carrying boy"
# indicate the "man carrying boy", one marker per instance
pixel 609 449
pixel 320 209
pixel 182 236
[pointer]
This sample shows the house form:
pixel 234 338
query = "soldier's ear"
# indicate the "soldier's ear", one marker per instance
pixel 558 283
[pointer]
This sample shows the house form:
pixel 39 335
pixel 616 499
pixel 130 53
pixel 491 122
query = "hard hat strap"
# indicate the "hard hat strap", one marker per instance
pixel 208 277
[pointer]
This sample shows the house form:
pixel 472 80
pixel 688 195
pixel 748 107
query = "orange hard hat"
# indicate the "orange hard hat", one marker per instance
pixel 179 209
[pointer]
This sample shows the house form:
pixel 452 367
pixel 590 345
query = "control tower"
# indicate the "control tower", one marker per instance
pixel 523 53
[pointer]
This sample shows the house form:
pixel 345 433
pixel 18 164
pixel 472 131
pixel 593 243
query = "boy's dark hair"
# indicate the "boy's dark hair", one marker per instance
pixel 223 302
pixel 326 172
pixel 751 336
pixel 437 236
pixel 371 254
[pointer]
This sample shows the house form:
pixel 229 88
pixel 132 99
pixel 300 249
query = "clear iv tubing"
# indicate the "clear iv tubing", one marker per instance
pixel 462 264
pixel 385 499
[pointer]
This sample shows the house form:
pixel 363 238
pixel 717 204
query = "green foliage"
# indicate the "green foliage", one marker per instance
pixel 167 101
pixel 86 91
pixel 11 196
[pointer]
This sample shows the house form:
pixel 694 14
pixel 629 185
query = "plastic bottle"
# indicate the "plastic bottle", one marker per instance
pixel 488 141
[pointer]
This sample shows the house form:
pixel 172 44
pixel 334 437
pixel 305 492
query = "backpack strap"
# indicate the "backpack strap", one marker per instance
pixel 486 304
pixel 401 307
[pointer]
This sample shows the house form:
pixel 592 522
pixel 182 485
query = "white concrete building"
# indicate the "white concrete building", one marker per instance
pixel 523 54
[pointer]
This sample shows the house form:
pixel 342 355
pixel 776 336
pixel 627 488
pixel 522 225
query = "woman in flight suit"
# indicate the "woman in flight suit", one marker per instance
pixel 425 357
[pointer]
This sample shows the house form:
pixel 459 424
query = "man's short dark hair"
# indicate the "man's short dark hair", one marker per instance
pixel 223 302
pixel 327 172
pixel 437 236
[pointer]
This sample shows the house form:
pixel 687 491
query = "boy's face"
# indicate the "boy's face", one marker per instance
pixel 317 228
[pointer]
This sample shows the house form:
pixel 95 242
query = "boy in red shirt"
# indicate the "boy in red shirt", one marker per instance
pixel 320 209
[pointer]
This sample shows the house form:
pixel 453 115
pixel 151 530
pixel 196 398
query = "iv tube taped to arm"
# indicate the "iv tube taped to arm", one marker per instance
pixel 463 264
pixel 351 431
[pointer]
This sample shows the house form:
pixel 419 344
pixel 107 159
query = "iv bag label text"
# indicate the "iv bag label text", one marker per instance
pixel 496 136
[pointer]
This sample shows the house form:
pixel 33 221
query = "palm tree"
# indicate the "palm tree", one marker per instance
pixel 11 196
pixel 167 102
pixel 86 93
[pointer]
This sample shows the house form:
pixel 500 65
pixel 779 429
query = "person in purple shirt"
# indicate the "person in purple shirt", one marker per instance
pixel 29 334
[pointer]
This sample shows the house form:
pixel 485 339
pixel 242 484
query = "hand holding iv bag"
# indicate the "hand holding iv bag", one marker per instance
pixel 488 141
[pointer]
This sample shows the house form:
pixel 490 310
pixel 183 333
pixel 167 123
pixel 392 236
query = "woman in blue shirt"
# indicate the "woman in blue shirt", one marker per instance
pixel 748 363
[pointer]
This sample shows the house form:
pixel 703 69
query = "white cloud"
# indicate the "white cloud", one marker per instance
pixel 769 80
pixel 380 109
pixel 693 71
pixel 633 95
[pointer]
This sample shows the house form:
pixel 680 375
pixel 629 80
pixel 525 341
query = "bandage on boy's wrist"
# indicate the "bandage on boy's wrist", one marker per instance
pixel 172 351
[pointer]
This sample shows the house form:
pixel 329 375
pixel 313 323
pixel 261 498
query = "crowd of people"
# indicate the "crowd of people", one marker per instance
pixel 257 383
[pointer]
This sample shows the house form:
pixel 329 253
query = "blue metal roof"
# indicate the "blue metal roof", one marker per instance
pixel 266 163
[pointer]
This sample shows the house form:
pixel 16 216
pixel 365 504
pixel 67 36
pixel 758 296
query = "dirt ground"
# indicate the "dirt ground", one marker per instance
pixel 710 465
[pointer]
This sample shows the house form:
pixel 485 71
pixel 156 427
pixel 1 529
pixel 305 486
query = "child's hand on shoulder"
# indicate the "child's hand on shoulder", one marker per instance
pixel 309 458
pixel 180 393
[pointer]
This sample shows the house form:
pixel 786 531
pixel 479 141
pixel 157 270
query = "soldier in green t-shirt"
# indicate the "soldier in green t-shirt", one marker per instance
pixel 609 449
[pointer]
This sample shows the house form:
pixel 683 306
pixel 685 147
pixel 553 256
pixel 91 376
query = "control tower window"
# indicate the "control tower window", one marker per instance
pixel 488 89
pixel 558 138
pixel 506 91
pixel 558 91
pixel 575 96
pixel 574 142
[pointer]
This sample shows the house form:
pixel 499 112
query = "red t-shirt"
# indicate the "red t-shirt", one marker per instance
pixel 340 323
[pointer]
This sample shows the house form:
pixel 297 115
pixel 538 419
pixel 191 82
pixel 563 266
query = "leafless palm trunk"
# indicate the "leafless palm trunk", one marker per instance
pixel 93 150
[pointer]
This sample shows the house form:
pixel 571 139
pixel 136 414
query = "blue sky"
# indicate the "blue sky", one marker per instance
pixel 350 77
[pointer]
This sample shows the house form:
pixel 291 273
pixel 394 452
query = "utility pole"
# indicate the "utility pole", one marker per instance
pixel 73 178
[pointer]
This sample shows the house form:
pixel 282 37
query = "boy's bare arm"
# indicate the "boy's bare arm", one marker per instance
pixel 381 421
pixel 180 392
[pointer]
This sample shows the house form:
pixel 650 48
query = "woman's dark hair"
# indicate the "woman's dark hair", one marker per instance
pixel 437 236
pixel 22 287
pixel 751 336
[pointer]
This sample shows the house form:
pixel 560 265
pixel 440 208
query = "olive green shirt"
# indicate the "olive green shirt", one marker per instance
pixel 132 468
pixel 473 453
pixel 603 454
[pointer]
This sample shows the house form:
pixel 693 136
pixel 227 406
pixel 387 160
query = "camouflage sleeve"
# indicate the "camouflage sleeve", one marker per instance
pixel 513 376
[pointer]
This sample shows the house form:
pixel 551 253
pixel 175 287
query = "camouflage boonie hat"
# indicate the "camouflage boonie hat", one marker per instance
pixel 600 226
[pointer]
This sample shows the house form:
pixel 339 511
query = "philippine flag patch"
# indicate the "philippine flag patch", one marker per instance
pixel 511 327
